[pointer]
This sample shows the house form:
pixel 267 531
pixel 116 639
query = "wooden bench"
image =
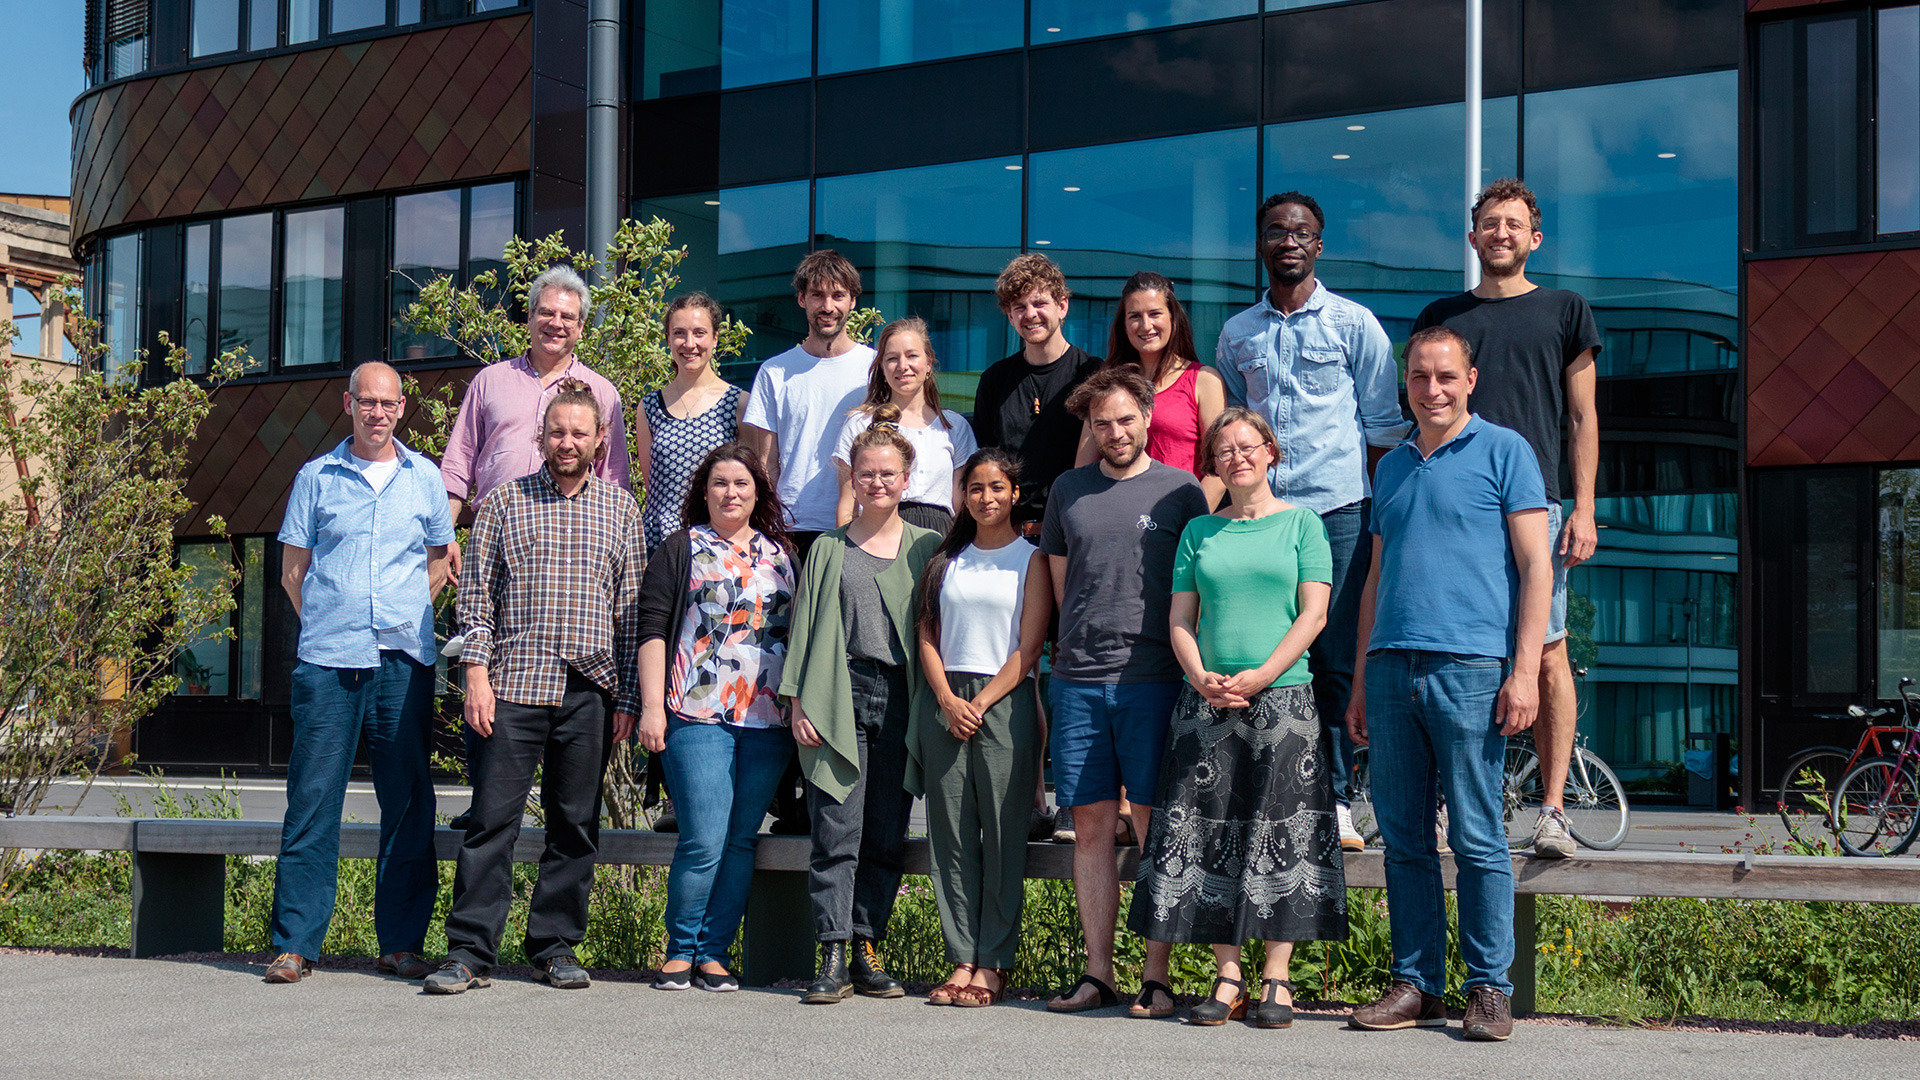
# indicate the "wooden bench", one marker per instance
pixel 179 879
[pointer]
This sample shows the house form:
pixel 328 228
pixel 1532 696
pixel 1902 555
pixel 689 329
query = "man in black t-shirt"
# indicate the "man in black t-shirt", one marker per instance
pixel 1021 403
pixel 1535 349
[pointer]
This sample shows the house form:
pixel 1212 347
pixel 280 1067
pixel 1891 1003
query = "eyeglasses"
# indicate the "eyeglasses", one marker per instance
pixel 1232 453
pixel 866 478
pixel 564 318
pixel 1276 236
pixel 379 405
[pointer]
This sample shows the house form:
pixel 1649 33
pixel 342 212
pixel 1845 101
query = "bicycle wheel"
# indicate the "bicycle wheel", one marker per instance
pixel 1806 791
pixel 1594 802
pixel 1365 821
pixel 1876 808
pixel 1520 793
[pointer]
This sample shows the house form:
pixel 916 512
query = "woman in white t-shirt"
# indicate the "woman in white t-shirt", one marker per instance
pixel 984 602
pixel 901 385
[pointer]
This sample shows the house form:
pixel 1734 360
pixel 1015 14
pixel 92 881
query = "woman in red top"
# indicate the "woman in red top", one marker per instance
pixel 1151 331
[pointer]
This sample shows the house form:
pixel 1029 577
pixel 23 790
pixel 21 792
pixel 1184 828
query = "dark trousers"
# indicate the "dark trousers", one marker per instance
pixel 392 705
pixel 860 842
pixel 575 738
pixel 1331 657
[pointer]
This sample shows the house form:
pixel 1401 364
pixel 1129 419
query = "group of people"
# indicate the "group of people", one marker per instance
pixel 1237 574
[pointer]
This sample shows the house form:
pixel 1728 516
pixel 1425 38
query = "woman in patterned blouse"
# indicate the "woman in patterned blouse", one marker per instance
pixel 715 612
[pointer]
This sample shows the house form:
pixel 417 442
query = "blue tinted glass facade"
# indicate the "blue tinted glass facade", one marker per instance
pixel 760 234
pixel 857 34
pixel 1064 20
pixel 764 41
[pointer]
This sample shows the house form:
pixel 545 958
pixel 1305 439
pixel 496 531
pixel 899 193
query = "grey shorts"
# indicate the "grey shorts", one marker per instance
pixel 1557 612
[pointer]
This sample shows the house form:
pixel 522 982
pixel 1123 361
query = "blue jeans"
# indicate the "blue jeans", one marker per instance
pixel 332 707
pixel 722 778
pixel 1331 657
pixel 1430 715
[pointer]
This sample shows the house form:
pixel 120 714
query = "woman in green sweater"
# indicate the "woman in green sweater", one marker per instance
pixel 1244 844
pixel 850 666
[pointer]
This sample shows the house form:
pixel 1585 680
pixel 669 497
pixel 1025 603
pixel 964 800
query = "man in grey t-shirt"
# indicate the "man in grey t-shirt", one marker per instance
pixel 1110 533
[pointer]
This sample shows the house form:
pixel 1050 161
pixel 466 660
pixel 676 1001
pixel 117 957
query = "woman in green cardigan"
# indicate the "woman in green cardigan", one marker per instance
pixel 850 666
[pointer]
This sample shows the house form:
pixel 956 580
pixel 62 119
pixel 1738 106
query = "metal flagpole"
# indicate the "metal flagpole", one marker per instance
pixel 1471 266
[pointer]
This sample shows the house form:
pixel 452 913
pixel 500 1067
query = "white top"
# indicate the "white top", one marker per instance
pixel 980 602
pixel 378 473
pixel 803 399
pixel 937 451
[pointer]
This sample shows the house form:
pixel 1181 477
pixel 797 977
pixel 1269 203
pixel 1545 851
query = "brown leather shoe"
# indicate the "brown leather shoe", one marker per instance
pixel 404 964
pixel 1489 1017
pixel 289 968
pixel 1402 1006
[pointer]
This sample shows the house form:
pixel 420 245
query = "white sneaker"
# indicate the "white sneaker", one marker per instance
pixel 1350 838
pixel 1551 840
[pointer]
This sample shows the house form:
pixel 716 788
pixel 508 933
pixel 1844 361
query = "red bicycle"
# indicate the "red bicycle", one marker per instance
pixel 1807 787
pixel 1876 807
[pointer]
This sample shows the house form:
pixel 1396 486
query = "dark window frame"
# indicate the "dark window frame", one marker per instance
pixel 463 275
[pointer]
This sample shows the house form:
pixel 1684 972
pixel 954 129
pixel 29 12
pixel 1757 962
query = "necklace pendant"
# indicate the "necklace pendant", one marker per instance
pixel 1036 404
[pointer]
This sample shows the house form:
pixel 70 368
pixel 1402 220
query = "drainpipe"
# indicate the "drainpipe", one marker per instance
pixel 603 124
pixel 1472 267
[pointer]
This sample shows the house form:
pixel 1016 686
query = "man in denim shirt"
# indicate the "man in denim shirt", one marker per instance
pixel 1321 370
pixel 364 550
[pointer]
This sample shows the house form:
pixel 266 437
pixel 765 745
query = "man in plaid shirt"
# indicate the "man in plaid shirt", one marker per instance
pixel 550 604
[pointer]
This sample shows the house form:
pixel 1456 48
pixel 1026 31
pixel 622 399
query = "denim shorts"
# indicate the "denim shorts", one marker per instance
pixel 1557 613
pixel 1104 735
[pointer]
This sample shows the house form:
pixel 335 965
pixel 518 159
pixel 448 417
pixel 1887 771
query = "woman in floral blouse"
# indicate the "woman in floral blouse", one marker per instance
pixel 715 611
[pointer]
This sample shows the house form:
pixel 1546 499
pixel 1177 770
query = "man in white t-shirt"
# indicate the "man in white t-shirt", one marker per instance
pixel 801 397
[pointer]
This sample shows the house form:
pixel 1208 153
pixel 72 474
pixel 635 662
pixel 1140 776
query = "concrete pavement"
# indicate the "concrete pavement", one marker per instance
pixel 63 1016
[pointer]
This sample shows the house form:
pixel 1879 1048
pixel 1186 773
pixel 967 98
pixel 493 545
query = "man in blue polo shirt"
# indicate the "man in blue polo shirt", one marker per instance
pixel 1453 614
pixel 364 550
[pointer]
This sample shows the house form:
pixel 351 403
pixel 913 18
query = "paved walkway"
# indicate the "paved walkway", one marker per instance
pixel 76 1017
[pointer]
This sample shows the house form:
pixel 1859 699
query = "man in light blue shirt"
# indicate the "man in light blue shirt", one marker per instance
pixel 364 551
pixel 1320 369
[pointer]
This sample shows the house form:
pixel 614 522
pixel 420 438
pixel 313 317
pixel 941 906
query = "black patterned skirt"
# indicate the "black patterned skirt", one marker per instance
pixel 1244 843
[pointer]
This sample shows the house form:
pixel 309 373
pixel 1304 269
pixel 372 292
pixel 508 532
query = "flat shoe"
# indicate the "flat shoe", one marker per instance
pixel 1142 1007
pixel 673 980
pixel 1105 999
pixel 946 992
pixel 405 965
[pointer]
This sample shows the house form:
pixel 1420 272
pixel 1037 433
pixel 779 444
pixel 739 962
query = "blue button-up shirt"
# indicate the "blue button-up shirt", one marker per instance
pixel 1325 378
pixel 367 582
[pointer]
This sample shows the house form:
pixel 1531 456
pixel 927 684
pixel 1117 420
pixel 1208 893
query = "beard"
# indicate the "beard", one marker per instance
pixel 1290 275
pixel 1510 264
pixel 578 467
pixel 1132 452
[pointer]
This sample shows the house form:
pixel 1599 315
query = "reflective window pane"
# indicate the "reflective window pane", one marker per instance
pixel 1638 189
pixel 765 41
pixel 1774 103
pixel 1898 120
pixel 205 665
pixel 426 245
pixel 26 322
pixel 1832 103
pixel 252 612
pixel 216 26
pixel 119 304
pixel 680 48
pixel 303 21
pixel 1899 570
pixel 1182 206
pixel 1064 20
pixel 356 15
pixel 1392 187
pixel 263 24
pixel 1162 83
pixel 197 318
pixel 1827 564
pixel 489 227
pixel 856 34
pixel 930 242
pixel 762 235
pixel 311 287
pixel 246 286
pixel 696 227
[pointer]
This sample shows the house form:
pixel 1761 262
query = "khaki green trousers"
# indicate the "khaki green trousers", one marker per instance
pixel 979 793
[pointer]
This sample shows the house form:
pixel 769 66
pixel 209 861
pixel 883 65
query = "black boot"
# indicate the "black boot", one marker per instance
pixel 831 984
pixel 869 977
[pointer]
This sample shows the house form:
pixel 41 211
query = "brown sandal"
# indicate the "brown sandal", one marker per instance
pixel 948 993
pixel 974 997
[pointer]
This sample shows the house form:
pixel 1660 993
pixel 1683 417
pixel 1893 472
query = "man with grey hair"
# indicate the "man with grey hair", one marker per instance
pixel 496 437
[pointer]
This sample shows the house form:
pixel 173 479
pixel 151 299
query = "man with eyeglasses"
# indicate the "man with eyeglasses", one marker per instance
pixel 1536 348
pixel 1320 368
pixel 496 436
pixel 365 540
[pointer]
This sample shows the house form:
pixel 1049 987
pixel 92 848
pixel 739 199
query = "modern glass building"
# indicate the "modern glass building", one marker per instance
pixel 280 172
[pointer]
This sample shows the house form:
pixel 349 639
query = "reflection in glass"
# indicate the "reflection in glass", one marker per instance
pixel 310 293
pixel 680 48
pixel 356 15
pixel 1389 183
pixel 1776 201
pixel 696 227
pixel 930 242
pixel 1833 103
pixel 119 304
pixel 765 41
pixel 197 324
pixel 246 286
pixel 762 236
pixel 26 320
pixel 204 666
pixel 426 245
pixel 303 21
pixel 1899 578
pixel 1897 120
pixel 857 34
pixel 263 24
pixel 1063 20
pixel 127 56
pixel 253 595
pixel 1182 206
pixel 489 227
pixel 216 26
pixel 1828 555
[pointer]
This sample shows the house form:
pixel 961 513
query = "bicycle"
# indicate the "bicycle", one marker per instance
pixel 1807 786
pixel 1593 799
pixel 1876 805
